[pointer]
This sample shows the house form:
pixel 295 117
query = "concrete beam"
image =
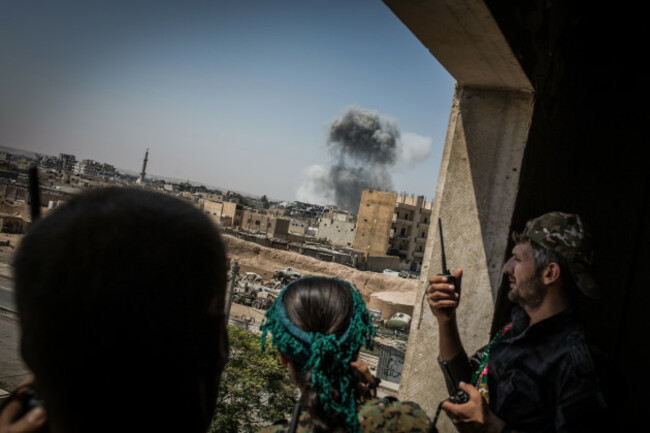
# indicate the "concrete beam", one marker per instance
pixel 464 37
pixel 478 178
pixel 475 198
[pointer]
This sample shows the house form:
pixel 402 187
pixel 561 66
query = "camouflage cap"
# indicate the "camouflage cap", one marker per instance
pixel 566 235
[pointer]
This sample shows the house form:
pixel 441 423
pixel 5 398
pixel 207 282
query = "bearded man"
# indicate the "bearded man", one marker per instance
pixel 540 373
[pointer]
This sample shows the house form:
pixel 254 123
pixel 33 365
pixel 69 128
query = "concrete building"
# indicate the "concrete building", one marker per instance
pixel 11 223
pixel 67 162
pixel 392 230
pixel 374 221
pixel 298 227
pixel 89 167
pixel 213 196
pixel 14 193
pixel 409 230
pixel 337 226
pixel 259 221
pixel 277 211
pixel 224 213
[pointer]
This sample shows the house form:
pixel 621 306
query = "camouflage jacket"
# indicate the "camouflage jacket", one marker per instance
pixel 385 414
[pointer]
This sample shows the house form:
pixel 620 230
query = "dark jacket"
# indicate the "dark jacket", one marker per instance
pixel 543 378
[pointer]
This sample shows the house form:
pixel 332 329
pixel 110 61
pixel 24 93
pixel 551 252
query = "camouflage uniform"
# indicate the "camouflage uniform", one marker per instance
pixel 384 415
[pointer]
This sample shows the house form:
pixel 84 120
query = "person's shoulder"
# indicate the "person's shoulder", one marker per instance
pixel 390 414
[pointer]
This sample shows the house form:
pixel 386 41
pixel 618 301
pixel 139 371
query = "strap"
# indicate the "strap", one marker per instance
pixel 294 418
pixel 433 428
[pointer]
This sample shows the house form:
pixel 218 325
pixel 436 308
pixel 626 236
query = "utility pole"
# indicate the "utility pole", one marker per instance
pixel 234 271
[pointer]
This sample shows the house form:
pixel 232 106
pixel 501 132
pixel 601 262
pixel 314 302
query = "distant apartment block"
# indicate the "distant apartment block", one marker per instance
pixel 14 193
pixel 89 167
pixel 259 221
pixel 337 226
pixel 297 227
pixel 67 161
pixel 409 229
pixel 374 222
pixel 278 211
pixel 231 214
pixel 224 213
pixel 392 225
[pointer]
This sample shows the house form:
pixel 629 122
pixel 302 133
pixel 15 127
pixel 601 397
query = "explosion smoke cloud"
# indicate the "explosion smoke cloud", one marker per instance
pixel 365 146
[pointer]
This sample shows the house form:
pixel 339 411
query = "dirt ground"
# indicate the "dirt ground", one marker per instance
pixel 264 261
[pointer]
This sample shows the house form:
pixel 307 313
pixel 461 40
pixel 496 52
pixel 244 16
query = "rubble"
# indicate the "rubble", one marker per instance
pixel 251 290
pixel 266 262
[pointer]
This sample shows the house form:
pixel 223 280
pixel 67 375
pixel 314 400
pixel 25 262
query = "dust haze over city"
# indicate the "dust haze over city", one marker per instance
pixel 239 95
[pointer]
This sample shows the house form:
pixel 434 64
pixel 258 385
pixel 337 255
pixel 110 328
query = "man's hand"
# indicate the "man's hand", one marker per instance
pixel 11 418
pixel 442 296
pixel 363 369
pixel 368 379
pixel 474 416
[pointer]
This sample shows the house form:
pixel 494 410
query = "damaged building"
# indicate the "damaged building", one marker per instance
pixel 392 230
pixel 337 226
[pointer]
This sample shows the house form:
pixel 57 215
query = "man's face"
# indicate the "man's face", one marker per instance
pixel 526 288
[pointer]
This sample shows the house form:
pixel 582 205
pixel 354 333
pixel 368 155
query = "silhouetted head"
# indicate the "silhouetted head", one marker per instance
pixel 120 294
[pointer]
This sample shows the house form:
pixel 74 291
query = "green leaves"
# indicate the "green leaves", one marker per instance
pixel 255 388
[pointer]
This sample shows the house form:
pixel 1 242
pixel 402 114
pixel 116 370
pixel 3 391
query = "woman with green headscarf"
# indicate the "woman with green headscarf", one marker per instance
pixel 318 325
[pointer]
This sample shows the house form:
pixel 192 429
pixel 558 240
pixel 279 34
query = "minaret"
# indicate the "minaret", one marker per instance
pixel 143 173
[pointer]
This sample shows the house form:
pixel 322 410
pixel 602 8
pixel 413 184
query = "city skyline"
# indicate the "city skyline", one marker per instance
pixel 237 95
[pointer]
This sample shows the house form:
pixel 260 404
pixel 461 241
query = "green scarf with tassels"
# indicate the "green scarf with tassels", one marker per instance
pixel 327 357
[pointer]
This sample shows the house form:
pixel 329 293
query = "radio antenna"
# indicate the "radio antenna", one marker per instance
pixel 443 257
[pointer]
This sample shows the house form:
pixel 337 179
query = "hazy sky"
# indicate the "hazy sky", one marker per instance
pixel 234 94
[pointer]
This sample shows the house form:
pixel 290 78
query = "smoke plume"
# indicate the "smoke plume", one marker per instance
pixel 365 146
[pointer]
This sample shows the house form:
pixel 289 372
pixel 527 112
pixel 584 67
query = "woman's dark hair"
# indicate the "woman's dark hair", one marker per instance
pixel 323 305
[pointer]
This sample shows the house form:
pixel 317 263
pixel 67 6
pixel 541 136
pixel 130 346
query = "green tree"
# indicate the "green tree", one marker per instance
pixel 255 388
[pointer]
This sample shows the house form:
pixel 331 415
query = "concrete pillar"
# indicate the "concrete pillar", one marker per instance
pixel 475 197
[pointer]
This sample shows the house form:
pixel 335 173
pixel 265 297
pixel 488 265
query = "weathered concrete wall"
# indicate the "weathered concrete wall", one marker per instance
pixel 281 229
pixel 379 263
pixel 390 303
pixel 213 209
pixel 297 228
pixel 230 210
pixel 374 221
pixel 340 233
pixel 474 197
